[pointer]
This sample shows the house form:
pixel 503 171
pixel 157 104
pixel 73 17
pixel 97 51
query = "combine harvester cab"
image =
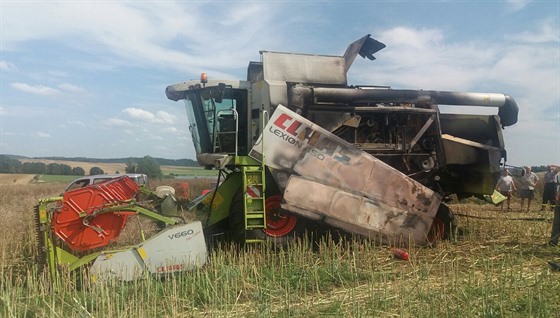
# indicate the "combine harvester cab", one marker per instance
pixel 385 161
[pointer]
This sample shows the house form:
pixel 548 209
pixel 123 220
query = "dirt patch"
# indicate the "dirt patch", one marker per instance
pixel 7 178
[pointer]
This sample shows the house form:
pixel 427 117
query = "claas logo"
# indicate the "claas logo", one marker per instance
pixel 299 134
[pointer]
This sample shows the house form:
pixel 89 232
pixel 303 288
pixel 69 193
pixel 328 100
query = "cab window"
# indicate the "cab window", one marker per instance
pixel 78 184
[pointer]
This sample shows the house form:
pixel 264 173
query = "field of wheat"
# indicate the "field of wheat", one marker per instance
pixel 495 267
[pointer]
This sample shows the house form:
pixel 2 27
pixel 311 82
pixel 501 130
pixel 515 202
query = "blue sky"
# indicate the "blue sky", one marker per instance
pixel 88 78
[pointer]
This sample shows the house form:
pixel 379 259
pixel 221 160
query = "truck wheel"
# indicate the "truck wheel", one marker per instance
pixel 444 224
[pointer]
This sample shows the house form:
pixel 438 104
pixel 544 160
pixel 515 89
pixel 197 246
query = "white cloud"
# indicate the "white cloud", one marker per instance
pixel 165 117
pixel 46 90
pixel 441 65
pixel 71 88
pixel 7 66
pixel 41 134
pixel 140 114
pixel 517 5
pixel 116 122
pixel 35 89
pixel 148 33
pixel 173 131
pixel 547 31
pixel 413 38
pixel 160 117
pixel 77 123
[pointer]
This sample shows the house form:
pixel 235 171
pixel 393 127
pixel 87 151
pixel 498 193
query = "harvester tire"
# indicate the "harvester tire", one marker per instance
pixel 278 233
pixel 444 225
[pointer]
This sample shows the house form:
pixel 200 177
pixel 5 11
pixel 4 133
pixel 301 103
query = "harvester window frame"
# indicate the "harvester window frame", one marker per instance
pixel 202 107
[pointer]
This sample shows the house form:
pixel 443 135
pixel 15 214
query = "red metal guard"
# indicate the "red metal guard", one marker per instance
pixel 78 224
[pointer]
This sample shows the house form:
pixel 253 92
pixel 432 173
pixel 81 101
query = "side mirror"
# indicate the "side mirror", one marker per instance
pixel 221 92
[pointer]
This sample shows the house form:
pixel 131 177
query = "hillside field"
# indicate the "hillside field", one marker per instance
pixel 108 168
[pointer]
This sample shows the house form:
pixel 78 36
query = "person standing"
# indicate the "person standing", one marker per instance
pixel 555 232
pixel 527 190
pixel 550 188
pixel 505 186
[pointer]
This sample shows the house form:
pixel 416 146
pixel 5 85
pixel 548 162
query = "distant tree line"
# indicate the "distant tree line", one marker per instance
pixel 146 165
pixel 160 161
pixel 538 168
pixel 10 165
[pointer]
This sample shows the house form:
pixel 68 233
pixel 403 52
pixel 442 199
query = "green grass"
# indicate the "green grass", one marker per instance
pixel 495 268
pixel 188 171
pixel 57 178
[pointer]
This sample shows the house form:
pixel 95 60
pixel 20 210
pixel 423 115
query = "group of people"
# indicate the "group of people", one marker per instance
pixel 527 182
pixel 551 193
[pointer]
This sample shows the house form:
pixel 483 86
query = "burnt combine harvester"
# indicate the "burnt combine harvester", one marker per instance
pixel 371 160
pixel 298 149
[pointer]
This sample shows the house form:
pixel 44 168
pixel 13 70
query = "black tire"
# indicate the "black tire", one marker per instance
pixel 444 225
pixel 236 219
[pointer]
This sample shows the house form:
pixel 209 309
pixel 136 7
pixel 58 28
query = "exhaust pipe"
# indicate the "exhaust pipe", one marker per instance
pixel 302 96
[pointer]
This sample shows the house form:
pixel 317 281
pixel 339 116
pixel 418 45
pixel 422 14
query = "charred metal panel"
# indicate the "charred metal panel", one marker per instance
pixel 365 46
pixel 483 129
pixel 462 151
pixel 476 164
pixel 327 178
pixel 355 213
pixel 304 68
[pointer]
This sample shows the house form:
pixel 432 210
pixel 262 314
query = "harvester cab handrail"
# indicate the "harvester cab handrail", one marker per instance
pixel 221 117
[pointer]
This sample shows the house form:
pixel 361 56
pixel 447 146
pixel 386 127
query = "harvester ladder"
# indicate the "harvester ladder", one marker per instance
pixel 254 200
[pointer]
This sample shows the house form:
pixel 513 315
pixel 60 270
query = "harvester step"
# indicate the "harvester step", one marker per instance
pixel 254 241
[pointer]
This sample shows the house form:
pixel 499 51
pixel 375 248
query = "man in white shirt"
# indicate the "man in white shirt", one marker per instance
pixel 527 190
pixel 506 187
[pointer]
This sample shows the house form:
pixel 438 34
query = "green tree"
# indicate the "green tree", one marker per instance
pixel 9 165
pixel 130 166
pixel 150 167
pixel 95 170
pixel 78 171
pixel 54 169
pixel 65 170
pixel 34 167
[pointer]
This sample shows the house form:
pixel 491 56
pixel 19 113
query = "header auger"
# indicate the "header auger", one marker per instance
pixel 75 229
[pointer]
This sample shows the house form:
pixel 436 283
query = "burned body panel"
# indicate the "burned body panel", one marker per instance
pixel 329 179
pixel 356 213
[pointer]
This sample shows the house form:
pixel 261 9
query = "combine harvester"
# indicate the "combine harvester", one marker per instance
pixel 298 149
